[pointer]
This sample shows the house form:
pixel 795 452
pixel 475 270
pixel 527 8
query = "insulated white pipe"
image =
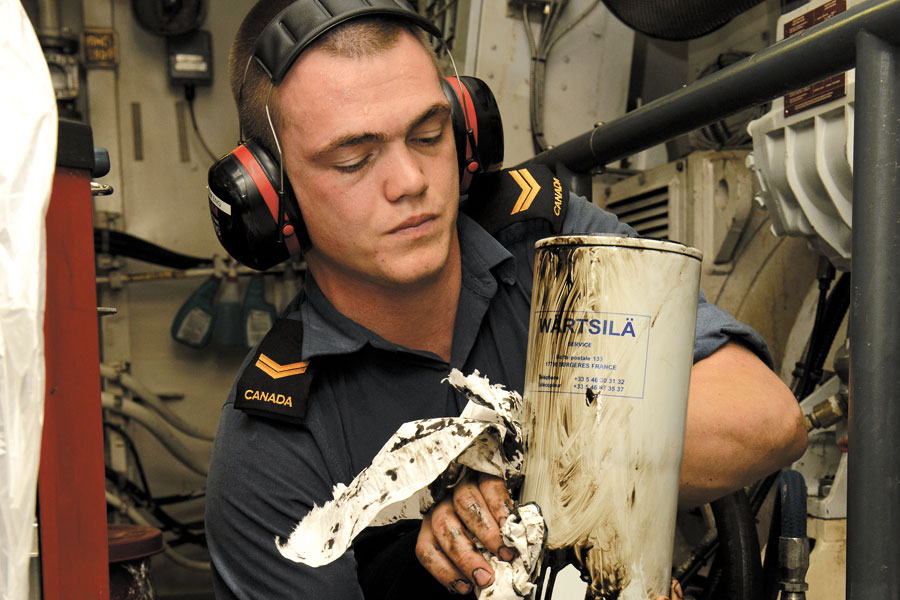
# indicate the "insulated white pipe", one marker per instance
pixel 154 402
pixel 609 358
pixel 159 428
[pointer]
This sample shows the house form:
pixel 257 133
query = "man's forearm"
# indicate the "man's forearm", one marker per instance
pixel 742 424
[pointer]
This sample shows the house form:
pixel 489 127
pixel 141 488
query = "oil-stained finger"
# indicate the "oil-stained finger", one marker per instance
pixel 436 562
pixel 472 509
pixel 676 593
pixel 456 541
pixel 496 495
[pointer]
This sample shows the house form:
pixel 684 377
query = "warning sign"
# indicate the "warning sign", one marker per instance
pixel 821 91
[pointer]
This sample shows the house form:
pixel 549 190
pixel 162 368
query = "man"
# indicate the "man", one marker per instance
pixel 400 289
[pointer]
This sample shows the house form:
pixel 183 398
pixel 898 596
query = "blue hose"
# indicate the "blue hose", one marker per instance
pixel 788 521
pixel 792 495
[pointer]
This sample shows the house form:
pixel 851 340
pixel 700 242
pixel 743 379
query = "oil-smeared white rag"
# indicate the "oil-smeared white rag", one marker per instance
pixel 416 467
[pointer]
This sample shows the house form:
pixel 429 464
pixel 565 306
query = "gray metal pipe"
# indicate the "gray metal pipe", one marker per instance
pixel 873 502
pixel 48 17
pixel 823 50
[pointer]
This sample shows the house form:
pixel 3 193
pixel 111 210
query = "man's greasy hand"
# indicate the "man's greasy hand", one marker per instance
pixel 445 547
pixel 675 592
pixel 479 506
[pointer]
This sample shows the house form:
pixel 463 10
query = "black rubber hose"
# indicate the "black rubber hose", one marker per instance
pixel 145 502
pixel 120 243
pixel 738 554
pixel 788 520
pixel 835 309
pixel 804 366
pixel 804 375
pixel 700 555
pixel 129 444
pixel 792 493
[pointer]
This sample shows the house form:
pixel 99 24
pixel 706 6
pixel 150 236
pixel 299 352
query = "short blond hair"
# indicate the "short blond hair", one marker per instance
pixel 250 84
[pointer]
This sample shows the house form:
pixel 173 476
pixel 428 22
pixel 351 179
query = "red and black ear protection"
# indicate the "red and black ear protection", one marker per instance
pixel 477 127
pixel 256 225
pixel 256 219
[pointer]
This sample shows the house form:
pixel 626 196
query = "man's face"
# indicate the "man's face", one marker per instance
pixel 368 147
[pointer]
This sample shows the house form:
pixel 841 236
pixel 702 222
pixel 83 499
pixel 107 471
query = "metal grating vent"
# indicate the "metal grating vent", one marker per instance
pixel 647 213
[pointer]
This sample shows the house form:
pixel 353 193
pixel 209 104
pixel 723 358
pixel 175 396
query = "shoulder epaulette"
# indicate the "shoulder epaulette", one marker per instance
pixel 275 383
pixel 500 199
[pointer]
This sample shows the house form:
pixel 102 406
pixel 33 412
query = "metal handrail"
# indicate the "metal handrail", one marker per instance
pixel 818 52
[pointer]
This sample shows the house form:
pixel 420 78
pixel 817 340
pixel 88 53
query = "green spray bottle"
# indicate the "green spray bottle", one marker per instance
pixel 193 324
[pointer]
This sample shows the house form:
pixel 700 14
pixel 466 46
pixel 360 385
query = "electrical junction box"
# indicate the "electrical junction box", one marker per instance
pixel 190 58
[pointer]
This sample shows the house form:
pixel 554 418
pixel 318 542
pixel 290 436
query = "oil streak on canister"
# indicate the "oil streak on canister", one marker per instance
pixel 610 351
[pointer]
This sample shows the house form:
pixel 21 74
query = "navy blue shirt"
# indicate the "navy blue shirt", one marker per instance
pixel 265 475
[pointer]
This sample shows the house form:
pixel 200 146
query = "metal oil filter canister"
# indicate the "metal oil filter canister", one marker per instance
pixel 610 351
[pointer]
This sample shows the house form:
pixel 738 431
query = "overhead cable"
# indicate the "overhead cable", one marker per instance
pixel 540 51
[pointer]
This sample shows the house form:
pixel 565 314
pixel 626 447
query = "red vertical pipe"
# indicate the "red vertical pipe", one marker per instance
pixel 71 500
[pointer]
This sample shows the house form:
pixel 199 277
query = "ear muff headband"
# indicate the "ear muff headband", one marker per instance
pixel 301 23
pixel 268 193
pixel 465 100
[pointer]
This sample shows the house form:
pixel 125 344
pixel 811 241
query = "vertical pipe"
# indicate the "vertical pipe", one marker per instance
pixel 580 183
pixel 48 15
pixel 873 511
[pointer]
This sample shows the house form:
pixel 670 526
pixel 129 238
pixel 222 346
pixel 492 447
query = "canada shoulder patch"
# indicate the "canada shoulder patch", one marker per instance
pixel 512 195
pixel 275 383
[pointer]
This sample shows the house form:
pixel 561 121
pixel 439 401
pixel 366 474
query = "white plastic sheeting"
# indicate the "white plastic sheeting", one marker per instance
pixel 27 159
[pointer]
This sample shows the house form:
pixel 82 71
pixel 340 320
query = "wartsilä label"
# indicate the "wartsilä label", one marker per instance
pixel 605 353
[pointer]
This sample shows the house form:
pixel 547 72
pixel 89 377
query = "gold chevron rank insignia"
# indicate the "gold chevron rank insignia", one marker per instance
pixel 530 192
pixel 276 371
pixel 530 188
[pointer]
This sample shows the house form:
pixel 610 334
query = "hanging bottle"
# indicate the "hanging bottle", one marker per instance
pixel 193 323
